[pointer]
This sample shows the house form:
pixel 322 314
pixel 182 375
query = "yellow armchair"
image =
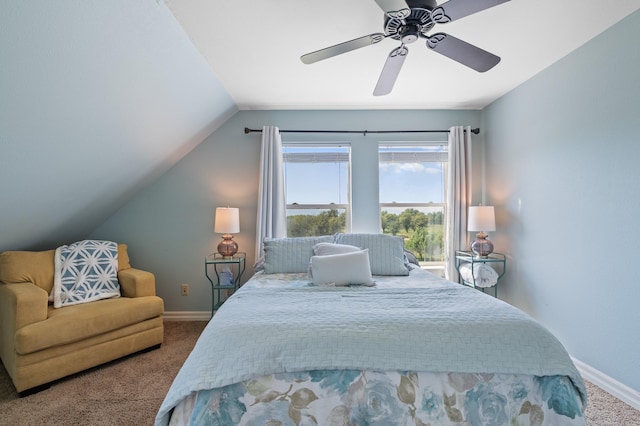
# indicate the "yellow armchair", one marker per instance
pixel 40 344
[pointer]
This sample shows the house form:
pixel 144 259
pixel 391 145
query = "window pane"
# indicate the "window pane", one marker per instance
pixel 412 199
pixel 312 222
pixel 317 189
pixel 410 174
pixel 316 175
pixel 421 227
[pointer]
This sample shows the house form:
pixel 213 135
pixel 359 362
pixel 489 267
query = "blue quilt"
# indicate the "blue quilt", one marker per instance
pixel 282 324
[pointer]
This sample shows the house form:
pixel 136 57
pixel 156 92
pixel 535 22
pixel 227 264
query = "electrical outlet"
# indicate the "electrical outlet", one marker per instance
pixel 184 289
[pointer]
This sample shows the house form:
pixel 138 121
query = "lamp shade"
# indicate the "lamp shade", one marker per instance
pixel 481 218
pixel 227 220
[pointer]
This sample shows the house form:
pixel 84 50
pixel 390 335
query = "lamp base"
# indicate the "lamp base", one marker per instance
pixel 227 246
pixel 482 247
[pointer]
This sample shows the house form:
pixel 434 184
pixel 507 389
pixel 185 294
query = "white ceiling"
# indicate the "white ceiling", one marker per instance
pixel 254 49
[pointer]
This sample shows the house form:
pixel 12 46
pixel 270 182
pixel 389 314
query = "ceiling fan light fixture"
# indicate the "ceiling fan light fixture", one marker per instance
pixel 409 38
pixel 411 34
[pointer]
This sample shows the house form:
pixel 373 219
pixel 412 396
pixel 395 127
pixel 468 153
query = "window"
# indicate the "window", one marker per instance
pixel 412 181
pixel 317 189
pixel 362 186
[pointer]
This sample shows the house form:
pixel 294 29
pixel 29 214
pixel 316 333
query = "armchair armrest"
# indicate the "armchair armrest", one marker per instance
pixel 136 283
pixel 22 304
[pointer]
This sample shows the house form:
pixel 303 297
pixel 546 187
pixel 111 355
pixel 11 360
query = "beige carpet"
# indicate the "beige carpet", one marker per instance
pixel 129 391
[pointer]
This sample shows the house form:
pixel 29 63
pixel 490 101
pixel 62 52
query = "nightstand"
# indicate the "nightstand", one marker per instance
pixel 494 259
pixel 235 263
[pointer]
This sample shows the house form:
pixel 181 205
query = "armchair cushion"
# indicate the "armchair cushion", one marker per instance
pixel 37 267
pixel 123 257
pixel 28 267
pixel 78 322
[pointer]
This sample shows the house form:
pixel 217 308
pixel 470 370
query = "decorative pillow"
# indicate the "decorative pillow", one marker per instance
pixel 411 258
pixel 342 269
pixel 386 252
pixel 290 255
pixel 85 271
pixel 325 249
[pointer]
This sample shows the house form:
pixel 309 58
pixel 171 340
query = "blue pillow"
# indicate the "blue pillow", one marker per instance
pixel 386 252
pixel 290 255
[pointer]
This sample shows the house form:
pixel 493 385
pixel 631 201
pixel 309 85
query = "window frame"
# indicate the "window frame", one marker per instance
pixel 443 156
pixel 346 207
pixel 363 210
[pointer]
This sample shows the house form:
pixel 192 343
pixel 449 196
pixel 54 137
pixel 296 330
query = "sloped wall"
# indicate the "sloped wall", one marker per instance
pixel 97 100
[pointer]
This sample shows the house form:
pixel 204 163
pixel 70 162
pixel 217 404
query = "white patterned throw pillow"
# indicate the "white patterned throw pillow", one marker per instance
pixel 85 271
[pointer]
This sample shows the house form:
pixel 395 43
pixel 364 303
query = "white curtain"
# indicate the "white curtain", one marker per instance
pixel 272 220
pixel 458 196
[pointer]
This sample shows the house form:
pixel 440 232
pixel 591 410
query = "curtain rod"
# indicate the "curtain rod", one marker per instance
pixel 364 132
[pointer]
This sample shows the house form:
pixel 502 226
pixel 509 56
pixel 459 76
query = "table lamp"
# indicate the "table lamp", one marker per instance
pixel 227 222
pixel 481 219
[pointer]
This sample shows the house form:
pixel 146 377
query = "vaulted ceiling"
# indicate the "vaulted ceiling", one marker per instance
pixel 254 48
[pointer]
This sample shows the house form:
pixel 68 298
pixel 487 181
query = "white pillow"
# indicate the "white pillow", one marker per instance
pixel 325 249
pixel 342 269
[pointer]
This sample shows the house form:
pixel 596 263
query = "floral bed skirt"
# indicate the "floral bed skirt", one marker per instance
pixel 354 397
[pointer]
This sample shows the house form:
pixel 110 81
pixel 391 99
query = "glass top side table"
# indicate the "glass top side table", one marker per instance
pixel 215 261
pixel 471 258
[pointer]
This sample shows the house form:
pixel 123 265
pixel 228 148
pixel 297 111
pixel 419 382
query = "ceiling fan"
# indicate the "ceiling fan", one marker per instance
pixel 407 21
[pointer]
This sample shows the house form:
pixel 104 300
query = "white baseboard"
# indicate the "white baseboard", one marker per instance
pixel 614 387
pixel 187 316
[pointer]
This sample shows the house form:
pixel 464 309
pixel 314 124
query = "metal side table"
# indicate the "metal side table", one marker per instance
pixel 216 260
pixel 498 259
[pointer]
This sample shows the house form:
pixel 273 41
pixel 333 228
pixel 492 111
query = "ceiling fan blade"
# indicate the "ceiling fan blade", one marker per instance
pixel 341 48
pixel 390 71
pixel 394 8
pixel 456 9
pixel 463 52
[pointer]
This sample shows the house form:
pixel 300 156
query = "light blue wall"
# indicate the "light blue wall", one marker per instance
pixel 562 155
pixel 169 225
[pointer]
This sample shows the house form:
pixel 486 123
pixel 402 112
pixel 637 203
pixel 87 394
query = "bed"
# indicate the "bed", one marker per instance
pixel 403 349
